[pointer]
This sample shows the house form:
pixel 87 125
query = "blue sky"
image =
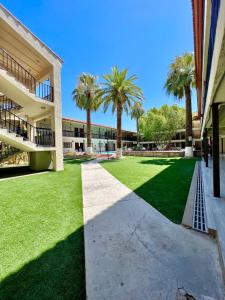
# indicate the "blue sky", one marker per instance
pixel 94 35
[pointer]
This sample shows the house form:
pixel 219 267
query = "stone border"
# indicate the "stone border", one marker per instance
pixel 187 219
pixel 154 153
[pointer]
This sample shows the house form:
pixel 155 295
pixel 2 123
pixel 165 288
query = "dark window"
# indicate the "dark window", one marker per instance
pixel 67 145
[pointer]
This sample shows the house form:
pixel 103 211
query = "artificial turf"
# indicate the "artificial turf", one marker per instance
pixel 41 236
pixel 162 182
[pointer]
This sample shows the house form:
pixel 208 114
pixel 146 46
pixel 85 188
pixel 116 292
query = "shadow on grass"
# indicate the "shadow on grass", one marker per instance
pixel 167 191
pixel 56 274
pixel 8 172
pixel 159 161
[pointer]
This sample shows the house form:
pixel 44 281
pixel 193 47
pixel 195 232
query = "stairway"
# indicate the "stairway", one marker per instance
pixel 22 135
pixel 7 153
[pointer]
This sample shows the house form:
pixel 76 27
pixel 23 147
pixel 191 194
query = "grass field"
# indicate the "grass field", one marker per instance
pixel 162 182
pixel 41 236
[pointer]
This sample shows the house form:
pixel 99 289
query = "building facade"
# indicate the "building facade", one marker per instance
pixel 209 41
pixel 30 91
pixel 103 137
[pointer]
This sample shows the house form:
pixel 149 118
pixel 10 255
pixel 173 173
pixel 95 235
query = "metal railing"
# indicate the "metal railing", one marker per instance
pixel 36 135
pixel 8 104
pixel 71 133
pixel 107 136
pixel 40 89
pixel 8 152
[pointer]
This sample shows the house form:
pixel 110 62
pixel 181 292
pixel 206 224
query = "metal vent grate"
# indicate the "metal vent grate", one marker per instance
pixel 199 216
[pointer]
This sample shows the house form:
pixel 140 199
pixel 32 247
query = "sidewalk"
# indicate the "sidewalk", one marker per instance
pixel 132 252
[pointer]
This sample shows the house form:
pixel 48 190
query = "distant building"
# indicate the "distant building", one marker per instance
pixel 103 137
pixel 178 141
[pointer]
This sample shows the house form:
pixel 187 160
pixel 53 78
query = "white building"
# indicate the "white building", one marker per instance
pixel 30 91
pixel 103 137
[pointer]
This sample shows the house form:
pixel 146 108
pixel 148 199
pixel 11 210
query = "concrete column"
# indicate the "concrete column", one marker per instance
pixel 57 155
pixel 206 147
pixel 222 145
pixel 215 150
pixel 40 161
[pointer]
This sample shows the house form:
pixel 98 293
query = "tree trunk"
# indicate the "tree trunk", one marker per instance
pixel 119 130
pixel 88 128
pixel 137 124
pixel 188 141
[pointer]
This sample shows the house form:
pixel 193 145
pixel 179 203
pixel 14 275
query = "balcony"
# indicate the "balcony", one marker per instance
pixel 36 135
pixel 107 136
pixel 41 90
pixel 8 104
pixel 70 133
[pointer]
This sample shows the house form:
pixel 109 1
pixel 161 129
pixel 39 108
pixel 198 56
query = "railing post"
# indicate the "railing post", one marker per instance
pixel 215 146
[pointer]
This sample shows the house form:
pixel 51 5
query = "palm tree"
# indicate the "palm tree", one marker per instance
pixel 136 112
pixel 87 96
pixel 120 92
pixel 180 81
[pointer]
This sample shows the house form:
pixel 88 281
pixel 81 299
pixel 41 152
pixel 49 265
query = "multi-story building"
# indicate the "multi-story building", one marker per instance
pixel 103 137
pixel 178 141
pixel 209 40
pixel 30 91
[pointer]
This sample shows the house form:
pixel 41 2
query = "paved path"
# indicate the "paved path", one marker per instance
pixel 132 252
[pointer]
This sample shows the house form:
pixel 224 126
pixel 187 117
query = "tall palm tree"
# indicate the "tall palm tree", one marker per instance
pixel 120 92
pixel 137 111
pixel 180 81
pixel 87 96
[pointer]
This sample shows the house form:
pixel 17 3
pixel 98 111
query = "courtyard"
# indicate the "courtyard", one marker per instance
pixel 41 236
pixel 124 214
pixel 162 182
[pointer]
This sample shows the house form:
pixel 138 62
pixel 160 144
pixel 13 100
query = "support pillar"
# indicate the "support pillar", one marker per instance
pixel 215 150
pixel 56 120
pixel 206 147
pixel 222 145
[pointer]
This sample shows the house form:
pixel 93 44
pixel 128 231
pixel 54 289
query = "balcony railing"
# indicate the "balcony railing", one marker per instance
pixel 36 135
pixel 109 136
pixel 71 133
pixel 40 89
pixel 8 104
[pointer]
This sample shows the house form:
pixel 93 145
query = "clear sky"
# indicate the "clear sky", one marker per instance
pixel 94 35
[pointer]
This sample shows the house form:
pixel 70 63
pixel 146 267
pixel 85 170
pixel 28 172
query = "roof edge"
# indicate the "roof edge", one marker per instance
pixel 6 11
pixel 93 124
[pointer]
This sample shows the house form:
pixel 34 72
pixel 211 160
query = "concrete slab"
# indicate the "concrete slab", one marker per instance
pixel 215 207
pixel 133 252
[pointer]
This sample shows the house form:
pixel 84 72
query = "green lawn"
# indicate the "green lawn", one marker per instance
pixel 162 182
pixel 41 236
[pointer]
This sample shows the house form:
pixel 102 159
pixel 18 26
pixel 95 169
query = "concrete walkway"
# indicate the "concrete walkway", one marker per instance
pixel 132 252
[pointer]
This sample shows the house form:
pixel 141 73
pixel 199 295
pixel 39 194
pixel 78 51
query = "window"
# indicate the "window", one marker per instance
pixel 67 145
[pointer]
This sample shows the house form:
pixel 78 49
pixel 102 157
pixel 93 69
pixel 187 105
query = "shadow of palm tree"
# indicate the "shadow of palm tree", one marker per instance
pixel 168 190
pixel 159 161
